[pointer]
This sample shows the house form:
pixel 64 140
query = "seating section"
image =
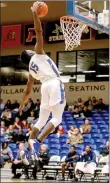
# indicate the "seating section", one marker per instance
pixel 97 138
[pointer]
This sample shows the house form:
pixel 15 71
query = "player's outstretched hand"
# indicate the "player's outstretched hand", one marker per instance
pixel 20 110
pixel 35 6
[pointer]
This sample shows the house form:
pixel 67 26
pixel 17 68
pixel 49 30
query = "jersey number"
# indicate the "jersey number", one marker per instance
pixel 34 67
pixel 54 69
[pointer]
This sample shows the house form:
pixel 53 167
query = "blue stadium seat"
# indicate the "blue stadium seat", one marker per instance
pixel 13 146
pixel 54 146
pixel 96 114
pixel 53 136
pixel 79 146
pixel 89 141
pixel 93 146
pixel 63 154
pixel 94 126
pixel 54 152
pixel 54 141
pixel 90 118
pixel 95 131
pixel 16 131
pixel 103 126
pixel 104 130
pixel 105 135
pixel 92 122
pixel 79 152
pixel 106 118
pixel 45 141
pixel 95 136
pixel 100 146
pixel 100 141
pixel 14 154
pixel 71 123
pixel 101 122
pixel 64 136
pixel 98 118
pixel 87 136
pixel 105 115
pixel 24 131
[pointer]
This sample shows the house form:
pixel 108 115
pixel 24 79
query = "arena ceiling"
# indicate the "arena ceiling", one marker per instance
pixel 19 11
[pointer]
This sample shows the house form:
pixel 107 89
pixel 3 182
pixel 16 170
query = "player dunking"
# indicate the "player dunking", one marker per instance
pixel 52 89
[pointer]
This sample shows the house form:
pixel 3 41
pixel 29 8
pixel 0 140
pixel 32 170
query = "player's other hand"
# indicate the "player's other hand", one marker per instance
pixel 35 6
pixel 20 110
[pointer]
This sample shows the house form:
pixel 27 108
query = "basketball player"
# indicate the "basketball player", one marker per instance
pixel 42 68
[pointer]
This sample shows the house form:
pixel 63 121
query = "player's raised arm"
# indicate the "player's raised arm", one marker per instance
pixel 27 92
pixel 38 29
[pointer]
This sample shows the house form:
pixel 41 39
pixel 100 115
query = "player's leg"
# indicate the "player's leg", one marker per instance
pixel 57 112
pixel 57 103
pixel 43 117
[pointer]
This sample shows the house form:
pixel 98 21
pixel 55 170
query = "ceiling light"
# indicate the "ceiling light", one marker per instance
pixel 70 65
pixel 99 76
pixel 103 64
pixel 89 71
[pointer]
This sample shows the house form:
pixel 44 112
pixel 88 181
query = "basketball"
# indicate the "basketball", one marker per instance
pixel 42 9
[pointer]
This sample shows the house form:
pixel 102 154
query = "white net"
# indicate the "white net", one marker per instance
pixel 72 30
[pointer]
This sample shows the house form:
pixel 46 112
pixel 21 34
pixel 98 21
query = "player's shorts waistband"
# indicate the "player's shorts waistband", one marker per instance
pixel 50 79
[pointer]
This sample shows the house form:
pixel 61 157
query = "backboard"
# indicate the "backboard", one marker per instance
pixel 93 13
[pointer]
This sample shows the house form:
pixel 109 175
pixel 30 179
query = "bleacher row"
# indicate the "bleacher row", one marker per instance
pixel 96 138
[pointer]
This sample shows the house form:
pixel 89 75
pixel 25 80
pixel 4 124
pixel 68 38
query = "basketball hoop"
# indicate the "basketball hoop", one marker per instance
pixel 72 30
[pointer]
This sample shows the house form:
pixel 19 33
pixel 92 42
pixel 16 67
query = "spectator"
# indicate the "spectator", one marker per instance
pixel 100 105
pixel 76 113
pixel 8 105
pixel 29 131
pixel 90 106
pixel 75 138
pixel 37 108
pixel 71 131
pixel 20 138
pixel 66 107
pixel 24 125
pixel 18 163
pixel 11 135
pixel 86 127
pixel 2 127
pixel 29 106
pixel 2 105
pixel 1 162
pixel 71 159
pixel 6 152
pixel 75 105
pixel 6 116
pixel 87 102
pixel 94 101
pixel 104 154
pixel 86 112
pixel 17 123
pixel 80 102
pixel 60 131
pixel 43 156
pixel 87 163
pixel 15 106
pixel 31 117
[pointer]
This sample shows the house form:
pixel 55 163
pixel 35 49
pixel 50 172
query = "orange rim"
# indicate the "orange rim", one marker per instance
pixel 69 19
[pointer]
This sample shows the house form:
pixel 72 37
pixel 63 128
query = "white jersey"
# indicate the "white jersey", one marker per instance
pixel 42 68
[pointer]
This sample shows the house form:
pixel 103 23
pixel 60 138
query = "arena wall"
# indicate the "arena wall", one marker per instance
pixel 73 91
pixel 54 48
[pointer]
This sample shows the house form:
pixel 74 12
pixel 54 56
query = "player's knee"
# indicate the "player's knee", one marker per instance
pixel 39 125
pixel 55 121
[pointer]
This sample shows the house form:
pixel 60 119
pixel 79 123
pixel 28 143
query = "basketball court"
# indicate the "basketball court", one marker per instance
pixel 81 15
